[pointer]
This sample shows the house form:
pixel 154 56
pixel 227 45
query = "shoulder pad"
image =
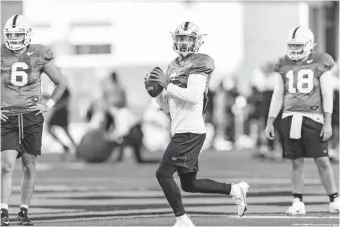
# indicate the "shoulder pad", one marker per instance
pixel 202 64
pixel 325 62
pixel 277 67
pixel 45 53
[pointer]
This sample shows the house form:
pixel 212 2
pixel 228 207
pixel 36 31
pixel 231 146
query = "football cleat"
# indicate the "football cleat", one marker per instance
pixel 187 38
pixel 298 208
pixel 5 221
pixel 185 222
pixel 17 32
pixel 22 218
pixel 300 43
pixel 334 207
pixel 239 193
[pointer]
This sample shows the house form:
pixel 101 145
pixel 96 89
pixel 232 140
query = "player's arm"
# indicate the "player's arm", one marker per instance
pixel 201 68
pixel 58 79
pixel 275 106
pixel 162 101
pixel 194 91
pixel 327 102
pixel 277 99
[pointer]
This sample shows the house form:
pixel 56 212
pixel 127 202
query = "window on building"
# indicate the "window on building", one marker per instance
pixel 92 49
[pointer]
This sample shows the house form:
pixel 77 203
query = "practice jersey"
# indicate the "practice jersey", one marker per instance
pixel 185 116
pixel 21 75
pixel 302 82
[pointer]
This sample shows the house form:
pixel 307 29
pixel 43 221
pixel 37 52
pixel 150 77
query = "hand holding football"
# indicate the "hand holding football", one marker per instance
pixel 152 87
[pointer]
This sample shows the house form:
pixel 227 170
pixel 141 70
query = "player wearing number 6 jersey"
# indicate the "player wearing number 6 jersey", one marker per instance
pixel 22 64
pixel 304 89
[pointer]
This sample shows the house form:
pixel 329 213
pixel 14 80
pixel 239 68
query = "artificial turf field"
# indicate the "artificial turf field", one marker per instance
pixel 128 194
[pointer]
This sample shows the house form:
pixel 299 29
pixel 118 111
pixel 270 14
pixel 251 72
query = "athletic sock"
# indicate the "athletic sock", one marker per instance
pixel 333 196
pixel 298 195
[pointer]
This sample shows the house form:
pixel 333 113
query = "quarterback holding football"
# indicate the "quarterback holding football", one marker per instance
pixel 304 88
pixel 182 92
pixel 22 64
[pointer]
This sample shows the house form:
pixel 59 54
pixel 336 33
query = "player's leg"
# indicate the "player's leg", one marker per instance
pixel 8 158
pixel 166 180
pixel 190 183
pixel 297 177
pixel 51 131
pixel 171 191
pixel 68 151
pixel 317 149
pixel 135 140
pixel 9 152
pixel 293 150
pixel 27 186
pixel 67 132
pixel 327 179
pixel 59 118
pixel 31 145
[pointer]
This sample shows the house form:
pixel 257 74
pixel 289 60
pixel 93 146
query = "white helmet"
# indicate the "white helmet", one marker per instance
pixel 17 32
pixel 187 38
pixel 300 43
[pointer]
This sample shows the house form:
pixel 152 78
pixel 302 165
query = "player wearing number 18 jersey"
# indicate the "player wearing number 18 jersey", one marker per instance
pixel 304 88
pixel 22 64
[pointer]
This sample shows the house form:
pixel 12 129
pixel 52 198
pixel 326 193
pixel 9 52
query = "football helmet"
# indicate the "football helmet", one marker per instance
pixel 17 32
pixel 187 38
pixel 300 43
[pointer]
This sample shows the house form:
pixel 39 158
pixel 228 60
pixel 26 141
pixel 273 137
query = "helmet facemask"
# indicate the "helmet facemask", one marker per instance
pixel 300 43
pixel 17 38
pixel 298 50
pixel 186 43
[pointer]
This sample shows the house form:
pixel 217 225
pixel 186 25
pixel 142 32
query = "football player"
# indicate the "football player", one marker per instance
pixel 22 64
pixel 303 86
pixel 184 95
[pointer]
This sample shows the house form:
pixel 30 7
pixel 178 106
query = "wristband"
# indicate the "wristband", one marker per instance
pixel 50 103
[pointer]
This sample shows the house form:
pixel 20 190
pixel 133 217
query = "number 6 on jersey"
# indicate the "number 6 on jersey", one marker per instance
pixel 19 78
pixel 304 81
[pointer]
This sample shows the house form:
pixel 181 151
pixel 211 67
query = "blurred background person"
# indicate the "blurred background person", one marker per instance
pixel 122 127
pixel 230 94
pixel 156 124
pixel 254 115
pixel 210 122
pixel 263 80
pixel 59 117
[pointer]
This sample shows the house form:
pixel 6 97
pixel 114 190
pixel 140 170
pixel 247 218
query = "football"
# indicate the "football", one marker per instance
pixel 152 87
